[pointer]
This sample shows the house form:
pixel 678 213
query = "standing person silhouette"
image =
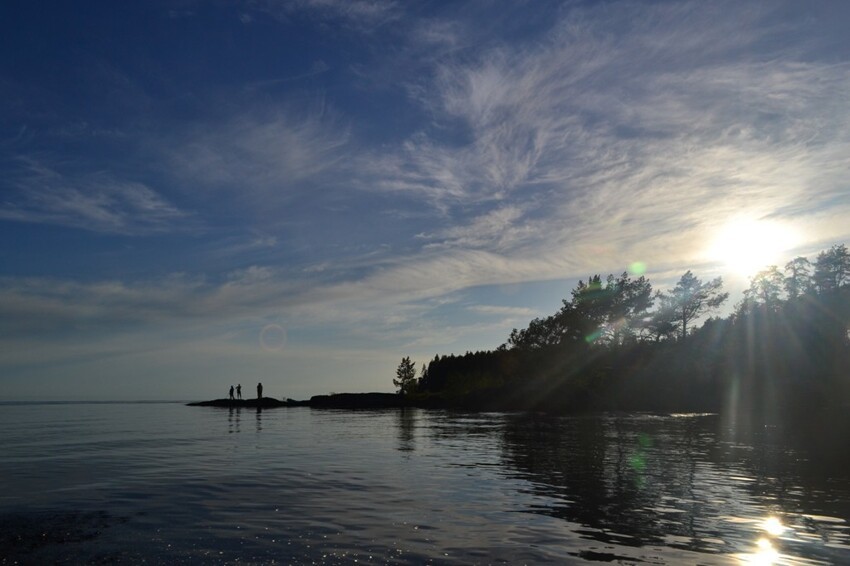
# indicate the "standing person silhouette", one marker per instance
pixel 259 391
pixel 231 392
pixel 239 391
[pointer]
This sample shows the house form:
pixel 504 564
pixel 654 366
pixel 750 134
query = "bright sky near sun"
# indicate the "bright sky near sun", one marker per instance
pixel 197 194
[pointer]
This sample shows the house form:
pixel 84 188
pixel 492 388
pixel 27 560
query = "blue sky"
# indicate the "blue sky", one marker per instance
pixel 195 194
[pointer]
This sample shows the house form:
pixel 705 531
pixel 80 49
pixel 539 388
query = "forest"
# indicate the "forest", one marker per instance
pixel 618 344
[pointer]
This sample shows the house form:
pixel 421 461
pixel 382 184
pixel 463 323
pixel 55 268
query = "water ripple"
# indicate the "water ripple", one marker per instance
pixel 167 483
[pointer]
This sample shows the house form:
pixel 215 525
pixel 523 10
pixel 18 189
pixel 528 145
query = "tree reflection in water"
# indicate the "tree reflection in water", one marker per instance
pixel 675 481
pixel 406 429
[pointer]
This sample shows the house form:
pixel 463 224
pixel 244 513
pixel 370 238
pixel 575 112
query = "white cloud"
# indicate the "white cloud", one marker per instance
pixel 498 310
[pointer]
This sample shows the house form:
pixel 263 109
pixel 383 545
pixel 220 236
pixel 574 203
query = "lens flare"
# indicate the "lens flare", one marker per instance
pixel 593 336
pixel 638 462
pixel 637 268
pixel 272 338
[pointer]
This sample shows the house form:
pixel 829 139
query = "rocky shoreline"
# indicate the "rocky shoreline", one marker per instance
pixel 333 401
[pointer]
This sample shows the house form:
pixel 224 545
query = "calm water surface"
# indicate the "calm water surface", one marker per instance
pixel 165 483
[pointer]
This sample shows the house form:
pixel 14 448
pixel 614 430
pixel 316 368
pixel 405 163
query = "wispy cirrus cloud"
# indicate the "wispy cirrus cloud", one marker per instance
pixel 500 229
pixel 389 299
pixel 99 202
pixel 614 135
pixel 362 15
pixel 499 310
pixel 464 149
pixel 37 305
pixel 620 129
pixel 262 152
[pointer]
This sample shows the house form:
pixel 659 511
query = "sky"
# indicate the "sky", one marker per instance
pixel 195 194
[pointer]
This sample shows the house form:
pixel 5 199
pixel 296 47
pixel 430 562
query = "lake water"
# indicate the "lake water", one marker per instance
pixel 166 483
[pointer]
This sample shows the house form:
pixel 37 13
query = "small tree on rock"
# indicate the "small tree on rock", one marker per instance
pixel 405 378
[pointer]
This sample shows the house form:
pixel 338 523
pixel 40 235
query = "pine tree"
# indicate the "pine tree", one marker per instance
pixel 691 298
pixel 405 378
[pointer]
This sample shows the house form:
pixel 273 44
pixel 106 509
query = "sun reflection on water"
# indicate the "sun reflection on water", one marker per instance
pixel 765 555
pixel 765 552
pixel 773 526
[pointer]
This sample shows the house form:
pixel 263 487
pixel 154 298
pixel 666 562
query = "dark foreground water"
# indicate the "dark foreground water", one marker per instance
pixel 165 483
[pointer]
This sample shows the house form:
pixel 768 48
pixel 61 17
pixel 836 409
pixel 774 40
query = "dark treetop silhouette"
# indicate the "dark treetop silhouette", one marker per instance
pixel 780 356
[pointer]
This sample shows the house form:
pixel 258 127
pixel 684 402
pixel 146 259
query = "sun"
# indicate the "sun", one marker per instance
pixel 747 246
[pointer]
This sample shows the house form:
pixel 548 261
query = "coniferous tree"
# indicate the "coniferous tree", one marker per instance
pixel 691 298
pixel 662 323
pixel 798 280
pixel 783 354
pixel 405 378
pixel 766 287
pixel 832 269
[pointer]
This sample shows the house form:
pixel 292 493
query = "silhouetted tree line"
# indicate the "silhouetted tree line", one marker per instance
pixel 616 344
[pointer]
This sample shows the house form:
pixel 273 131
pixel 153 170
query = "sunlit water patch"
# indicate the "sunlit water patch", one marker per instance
pixel 166 483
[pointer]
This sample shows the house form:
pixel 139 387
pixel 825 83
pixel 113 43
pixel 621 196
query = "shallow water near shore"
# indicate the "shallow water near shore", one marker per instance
pixel 161 482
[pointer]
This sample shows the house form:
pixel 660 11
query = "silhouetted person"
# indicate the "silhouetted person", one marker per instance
pixel 231 392
pixel 239 391
pixel 259 391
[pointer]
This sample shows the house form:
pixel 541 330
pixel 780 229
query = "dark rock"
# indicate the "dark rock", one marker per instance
pixel 335 401
pixel 264 403
pixel 358 401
